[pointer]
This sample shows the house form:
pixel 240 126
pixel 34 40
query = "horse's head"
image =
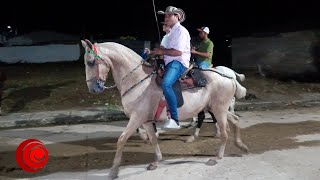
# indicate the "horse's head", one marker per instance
pixel 96 68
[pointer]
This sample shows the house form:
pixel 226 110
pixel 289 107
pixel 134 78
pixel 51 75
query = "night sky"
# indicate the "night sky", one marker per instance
pixel 113 19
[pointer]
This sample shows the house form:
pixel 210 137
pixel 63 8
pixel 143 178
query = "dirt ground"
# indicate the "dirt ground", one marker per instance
pixel 58 86
pixel 62 86
pixel 98 153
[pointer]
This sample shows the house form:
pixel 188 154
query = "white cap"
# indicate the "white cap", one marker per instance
pixel 204 29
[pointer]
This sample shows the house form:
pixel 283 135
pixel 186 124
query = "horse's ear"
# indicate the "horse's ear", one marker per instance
pixel 84 44
pixel 88 43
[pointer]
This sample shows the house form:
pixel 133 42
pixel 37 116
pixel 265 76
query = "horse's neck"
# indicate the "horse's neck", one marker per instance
pixel 126 67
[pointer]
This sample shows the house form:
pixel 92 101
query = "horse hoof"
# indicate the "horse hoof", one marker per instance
pixel 113 174
pixel 243 147
pixel 190 139
pixel 211 162
pixel 112 177
pixel 152 166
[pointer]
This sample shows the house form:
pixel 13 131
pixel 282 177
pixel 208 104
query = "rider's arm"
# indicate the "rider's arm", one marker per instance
pixel 203 54
pixel 171 52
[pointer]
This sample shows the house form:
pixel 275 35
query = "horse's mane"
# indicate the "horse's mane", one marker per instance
pixel 120 48
pixel 121 52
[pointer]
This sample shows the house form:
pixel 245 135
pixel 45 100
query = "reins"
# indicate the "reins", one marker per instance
pixel 133 86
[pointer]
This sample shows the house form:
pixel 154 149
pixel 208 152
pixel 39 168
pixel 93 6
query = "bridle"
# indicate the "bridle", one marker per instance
pixel 96 61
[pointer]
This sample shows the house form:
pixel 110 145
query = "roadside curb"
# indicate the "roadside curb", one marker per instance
pixel 73 116
pixel 263 105
pixel 105 114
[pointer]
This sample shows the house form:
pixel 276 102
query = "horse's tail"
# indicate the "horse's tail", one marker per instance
pixel 240 90
pixel 240 77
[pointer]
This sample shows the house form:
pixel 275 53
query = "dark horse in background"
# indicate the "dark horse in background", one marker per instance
pixel 3 78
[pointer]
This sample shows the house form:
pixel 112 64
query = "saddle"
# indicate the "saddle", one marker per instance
pixel 191 78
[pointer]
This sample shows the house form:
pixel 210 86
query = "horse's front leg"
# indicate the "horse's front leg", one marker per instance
pixel 132 125
pixel 154 141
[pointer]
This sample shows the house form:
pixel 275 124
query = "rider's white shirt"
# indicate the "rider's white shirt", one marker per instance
pixel 179 39
pixel 164 40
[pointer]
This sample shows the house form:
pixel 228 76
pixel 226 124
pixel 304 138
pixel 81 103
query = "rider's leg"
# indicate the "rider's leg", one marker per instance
pixel 172 73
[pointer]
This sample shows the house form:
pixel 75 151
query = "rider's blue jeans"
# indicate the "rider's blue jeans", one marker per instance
pixel 202 64
pixel 173 71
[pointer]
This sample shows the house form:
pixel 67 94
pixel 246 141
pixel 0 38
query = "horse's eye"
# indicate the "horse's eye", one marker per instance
pixel 90 63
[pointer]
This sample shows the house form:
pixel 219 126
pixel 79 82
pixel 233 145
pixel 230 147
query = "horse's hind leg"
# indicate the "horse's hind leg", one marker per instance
pixel 130 129
pixel 218 134
pixel 154 141
pixel 237 137
pixel 221 117
pixel 231 109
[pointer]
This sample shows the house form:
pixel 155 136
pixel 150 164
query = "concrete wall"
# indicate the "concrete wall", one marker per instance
pixel 285 55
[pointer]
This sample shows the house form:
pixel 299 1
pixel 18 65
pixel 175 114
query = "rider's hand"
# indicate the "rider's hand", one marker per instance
pixel 157 51
pixel 146 50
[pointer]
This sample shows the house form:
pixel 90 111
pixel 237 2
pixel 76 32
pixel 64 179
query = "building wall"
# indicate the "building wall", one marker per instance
pixel 40 53
pixel 34 48
pixel 286 54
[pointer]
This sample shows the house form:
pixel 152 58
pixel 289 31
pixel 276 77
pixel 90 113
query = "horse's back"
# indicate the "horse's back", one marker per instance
pixel 230 72
pixel 218 81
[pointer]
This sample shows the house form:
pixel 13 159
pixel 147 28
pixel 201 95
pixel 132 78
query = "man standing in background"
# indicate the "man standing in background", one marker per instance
pixel 203 52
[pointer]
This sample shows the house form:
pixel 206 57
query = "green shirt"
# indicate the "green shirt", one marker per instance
pixel 205 46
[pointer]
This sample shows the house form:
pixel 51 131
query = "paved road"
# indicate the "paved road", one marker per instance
pixel 302 163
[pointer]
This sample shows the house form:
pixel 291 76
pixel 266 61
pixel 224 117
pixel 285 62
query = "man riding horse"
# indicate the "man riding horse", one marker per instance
pixel 176 57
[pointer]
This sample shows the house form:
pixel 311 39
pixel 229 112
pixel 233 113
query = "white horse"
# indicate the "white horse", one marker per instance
pixel 198 119
pixel 140 95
